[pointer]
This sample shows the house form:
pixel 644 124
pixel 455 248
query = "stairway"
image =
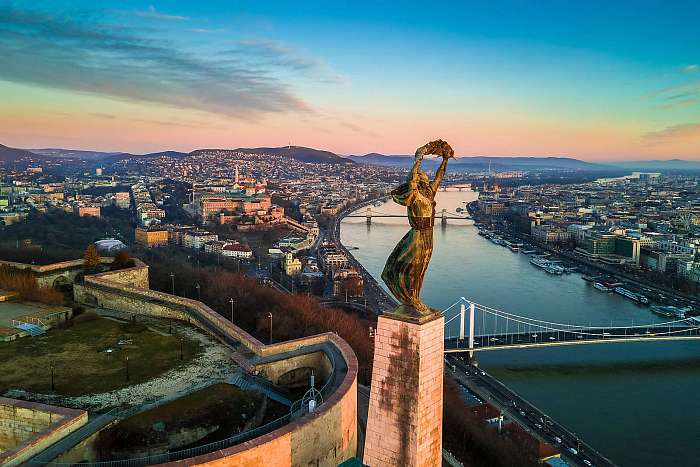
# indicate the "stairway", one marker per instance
pixel 254 383
pixel 31 329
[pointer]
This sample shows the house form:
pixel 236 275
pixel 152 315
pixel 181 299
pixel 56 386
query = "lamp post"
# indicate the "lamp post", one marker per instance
pixel 127 367
pixel 199 294
pixel 172 282
pixel 232 304
pixel 52 371
pixel 269 315
pixel 182 357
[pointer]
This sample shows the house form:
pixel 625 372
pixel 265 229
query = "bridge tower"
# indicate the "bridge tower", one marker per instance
pixel 471 331
pixel 368 215
pixel 444 216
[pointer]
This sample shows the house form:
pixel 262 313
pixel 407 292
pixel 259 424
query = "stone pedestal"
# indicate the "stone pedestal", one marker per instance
pixel 404 425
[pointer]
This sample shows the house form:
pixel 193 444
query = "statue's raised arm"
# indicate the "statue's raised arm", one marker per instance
pixel 438 148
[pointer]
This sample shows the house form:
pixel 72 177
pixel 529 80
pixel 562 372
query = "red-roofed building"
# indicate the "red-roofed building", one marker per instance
pixel 237 250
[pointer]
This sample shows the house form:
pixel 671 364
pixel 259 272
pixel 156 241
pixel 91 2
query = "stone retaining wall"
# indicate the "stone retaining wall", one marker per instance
pixel 27 428
pixel 284 369
pixel 47 274
pixel 326 437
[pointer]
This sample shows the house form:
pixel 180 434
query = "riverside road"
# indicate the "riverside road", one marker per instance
pixel 573 449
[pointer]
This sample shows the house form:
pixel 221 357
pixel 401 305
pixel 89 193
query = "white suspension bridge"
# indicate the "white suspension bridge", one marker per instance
pixel 500 330
pixel 443 215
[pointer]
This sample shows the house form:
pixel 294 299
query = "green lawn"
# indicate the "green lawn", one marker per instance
pixel 81 364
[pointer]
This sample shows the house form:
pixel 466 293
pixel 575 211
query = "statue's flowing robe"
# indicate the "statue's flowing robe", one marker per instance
pixel 406 266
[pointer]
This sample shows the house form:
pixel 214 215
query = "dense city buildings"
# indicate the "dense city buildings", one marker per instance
pixel 644 221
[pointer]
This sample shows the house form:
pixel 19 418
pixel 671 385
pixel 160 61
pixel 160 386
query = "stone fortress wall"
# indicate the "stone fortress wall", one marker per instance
pixel 326 437
pixel 26 428
pixel 55 274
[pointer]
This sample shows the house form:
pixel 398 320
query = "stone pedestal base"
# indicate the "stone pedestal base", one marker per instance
pixel 404 425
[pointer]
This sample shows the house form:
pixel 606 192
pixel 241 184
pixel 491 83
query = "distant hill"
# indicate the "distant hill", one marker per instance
pixel 174 154
pixel 301 154
pixel 101 155
pixel 8 154
pixel 482 162
pixel 74 153
pixel 659 165
pixel 150 155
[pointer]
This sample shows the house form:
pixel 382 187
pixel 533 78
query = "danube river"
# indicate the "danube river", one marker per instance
pixel 637 403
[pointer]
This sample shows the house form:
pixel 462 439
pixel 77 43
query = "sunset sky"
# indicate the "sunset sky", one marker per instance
pixel 596 80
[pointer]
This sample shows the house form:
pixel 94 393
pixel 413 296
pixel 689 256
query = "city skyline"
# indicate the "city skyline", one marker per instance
pixel 612 82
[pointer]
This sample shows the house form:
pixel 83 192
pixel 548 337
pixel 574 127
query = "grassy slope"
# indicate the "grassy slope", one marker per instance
pixel 80 365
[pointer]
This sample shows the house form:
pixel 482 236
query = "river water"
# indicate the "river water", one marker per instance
pixel 637 403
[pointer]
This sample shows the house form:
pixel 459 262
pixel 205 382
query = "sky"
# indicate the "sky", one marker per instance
pixel 595 80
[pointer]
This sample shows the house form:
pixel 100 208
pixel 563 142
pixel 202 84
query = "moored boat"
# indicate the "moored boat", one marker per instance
pixel 635 297
pixel 539 262
pixel 670 311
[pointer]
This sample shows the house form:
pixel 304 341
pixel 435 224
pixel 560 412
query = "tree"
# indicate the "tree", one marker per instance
pixel 91 258
pixel 122 260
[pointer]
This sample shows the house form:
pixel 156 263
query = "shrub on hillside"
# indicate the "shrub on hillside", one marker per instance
pixel 122 260
pixel 24 282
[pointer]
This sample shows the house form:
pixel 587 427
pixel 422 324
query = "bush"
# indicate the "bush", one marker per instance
pixel 122 260
pixel 24 282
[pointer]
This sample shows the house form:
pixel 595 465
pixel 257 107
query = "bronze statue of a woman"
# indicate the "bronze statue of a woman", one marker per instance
pixel 406 266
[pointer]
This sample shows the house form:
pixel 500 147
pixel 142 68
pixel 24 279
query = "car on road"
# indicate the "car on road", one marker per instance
pixel 557 440
pixel 522 413
pixel 587 462
pixel 573 451
pixel 538 426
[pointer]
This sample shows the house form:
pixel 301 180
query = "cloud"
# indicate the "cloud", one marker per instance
pixel 268 54
pixel 680 103
pixel 694 68
pixel 151 13
pixel 206 31
pixel 684 131
pixel 121 62
pixel 684 95
pixel 103 115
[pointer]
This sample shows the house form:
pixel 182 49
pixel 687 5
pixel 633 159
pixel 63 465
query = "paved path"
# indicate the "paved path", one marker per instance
pixel 94 424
